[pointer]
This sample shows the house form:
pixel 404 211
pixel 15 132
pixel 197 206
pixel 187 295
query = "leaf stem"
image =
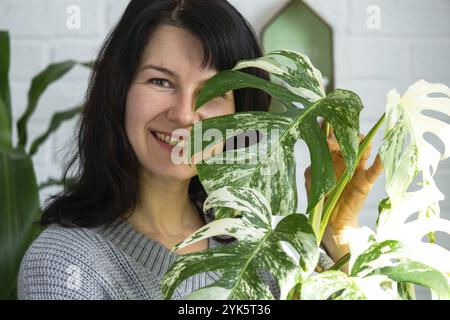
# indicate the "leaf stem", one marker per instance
pixel 336 192
pixel 341 262
pixel 315 217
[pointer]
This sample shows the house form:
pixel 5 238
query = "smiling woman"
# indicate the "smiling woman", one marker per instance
pixel 153 111
pixel 109 234
pixel 160 101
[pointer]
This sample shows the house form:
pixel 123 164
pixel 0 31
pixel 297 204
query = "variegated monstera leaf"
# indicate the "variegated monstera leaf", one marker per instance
pixel 261 246
pixel 381 271
pixel 403 161
pixel 382 264
pixel 406 121
pixel 269 166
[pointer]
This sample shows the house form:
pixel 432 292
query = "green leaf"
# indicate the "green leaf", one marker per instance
pixel 286 66
pixel 57 119
pixel 5 95
pixel 19 209
pixel 291 68
pixel 268 165
pixel 394 260
pixel 288 250
pixel 5 131
pixel 341 262
pixel 374 252
pixel 418 273
pixel 57 182
pixel 38 85
pixel 331 285
pixel 340 108
pixel 406 291
pixel 89 64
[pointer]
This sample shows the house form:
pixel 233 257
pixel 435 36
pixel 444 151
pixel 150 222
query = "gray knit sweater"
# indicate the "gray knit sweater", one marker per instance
pixel 115 262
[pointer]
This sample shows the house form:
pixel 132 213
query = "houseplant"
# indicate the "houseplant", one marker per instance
pixel 19 190
pixel 258 209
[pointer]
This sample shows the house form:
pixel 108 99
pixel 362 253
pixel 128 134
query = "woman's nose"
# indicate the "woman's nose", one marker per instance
pixel 182 111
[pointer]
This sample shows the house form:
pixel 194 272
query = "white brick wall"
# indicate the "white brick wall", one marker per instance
pixel 412 43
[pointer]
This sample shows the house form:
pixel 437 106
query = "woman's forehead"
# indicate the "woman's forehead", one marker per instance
pixel 176 50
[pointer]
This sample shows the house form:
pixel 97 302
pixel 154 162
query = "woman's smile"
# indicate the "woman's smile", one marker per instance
pixel 164 140
pixel 168 141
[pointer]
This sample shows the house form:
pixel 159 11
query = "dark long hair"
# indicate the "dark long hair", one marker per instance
pixel 106 177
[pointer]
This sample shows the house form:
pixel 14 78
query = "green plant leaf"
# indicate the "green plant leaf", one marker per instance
pixel 5 132
pixel 38 85
pixel 331 285
pixel 57 182
pixel 302 80
pixel 57 119
pixel 406 291
pixel 19 209
pixel 304 105
pixel 395 260
pixel 418 273
pixel 89 64
pixel 260 246
pixel 286 66
pixel 366 260
pixel 5 95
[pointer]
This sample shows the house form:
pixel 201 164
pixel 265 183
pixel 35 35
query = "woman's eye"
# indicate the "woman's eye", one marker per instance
pixel 159 82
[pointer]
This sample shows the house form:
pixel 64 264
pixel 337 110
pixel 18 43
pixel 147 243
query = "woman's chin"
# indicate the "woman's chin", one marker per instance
pixel 180 172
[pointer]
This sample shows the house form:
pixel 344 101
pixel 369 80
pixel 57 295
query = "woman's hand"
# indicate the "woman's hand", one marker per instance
pixel 349 205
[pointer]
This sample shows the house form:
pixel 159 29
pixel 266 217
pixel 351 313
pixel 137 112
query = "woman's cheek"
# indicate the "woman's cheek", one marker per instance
pixel 143 106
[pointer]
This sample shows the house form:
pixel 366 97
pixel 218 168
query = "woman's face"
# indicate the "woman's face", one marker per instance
pixel 162 96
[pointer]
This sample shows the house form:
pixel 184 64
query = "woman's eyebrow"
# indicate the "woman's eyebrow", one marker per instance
pixel 167 71
pixel 161 69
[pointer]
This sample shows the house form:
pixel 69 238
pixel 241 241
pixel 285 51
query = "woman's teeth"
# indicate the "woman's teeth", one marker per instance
pixel 167 139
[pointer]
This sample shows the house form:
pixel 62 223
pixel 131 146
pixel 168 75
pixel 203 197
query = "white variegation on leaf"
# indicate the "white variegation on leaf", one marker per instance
pixel 403 257
pixel 405 119
pixel 361 284
pixel 396 253
pixel 329 285
pixel 259 247
pixel 377 287
pixel 312 86
pixel 403 247
pixel 302 86
pixel 375 274
pixel 243 200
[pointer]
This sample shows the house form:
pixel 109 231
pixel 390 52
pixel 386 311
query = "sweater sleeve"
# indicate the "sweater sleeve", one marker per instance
pixel 60 265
